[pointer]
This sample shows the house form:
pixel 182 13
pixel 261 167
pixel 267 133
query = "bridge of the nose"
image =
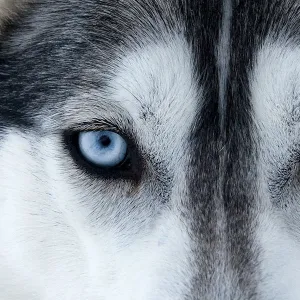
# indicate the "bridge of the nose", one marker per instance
pixel 222 175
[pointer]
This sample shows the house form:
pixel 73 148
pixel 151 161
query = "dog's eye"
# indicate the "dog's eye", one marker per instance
pixel 104 149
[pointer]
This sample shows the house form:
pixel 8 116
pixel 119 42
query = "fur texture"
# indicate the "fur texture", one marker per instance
pixel 9 9
pixel 206 204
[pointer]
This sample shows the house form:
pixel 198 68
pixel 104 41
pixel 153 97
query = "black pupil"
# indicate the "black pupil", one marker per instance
pixel 104 140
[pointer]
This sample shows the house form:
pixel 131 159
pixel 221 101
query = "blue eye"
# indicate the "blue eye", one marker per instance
pixel 105 149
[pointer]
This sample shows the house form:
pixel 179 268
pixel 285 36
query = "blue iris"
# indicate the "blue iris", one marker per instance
pixel 103 148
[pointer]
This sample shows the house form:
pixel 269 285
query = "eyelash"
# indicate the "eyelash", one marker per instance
pixel 130 169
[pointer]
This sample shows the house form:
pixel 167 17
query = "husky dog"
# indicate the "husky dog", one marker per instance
pixel 150 149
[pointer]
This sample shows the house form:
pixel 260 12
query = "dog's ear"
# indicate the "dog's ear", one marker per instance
pixel 9 10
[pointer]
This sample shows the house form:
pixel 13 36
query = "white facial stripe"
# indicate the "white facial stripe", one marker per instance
pixel 276 95
pixel 275 89
pixel 280 258
pixel 275 92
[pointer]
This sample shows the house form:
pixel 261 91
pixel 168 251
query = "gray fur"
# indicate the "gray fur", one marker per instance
pixel 206 94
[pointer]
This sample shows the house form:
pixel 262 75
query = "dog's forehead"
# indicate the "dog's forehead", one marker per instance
pixel 105 31
pixel 153 82
pixel 158 79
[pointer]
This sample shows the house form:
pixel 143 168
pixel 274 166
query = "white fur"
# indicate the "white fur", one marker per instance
pixel 275 95
pixel 51 243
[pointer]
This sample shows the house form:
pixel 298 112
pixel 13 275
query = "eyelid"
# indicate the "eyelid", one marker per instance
pixel 94 125
pixel 126 132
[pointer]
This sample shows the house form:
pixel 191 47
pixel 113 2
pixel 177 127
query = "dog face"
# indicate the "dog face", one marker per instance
pixel 150 150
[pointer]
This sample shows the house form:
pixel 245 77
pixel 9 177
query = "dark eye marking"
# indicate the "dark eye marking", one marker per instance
pixel 102 150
